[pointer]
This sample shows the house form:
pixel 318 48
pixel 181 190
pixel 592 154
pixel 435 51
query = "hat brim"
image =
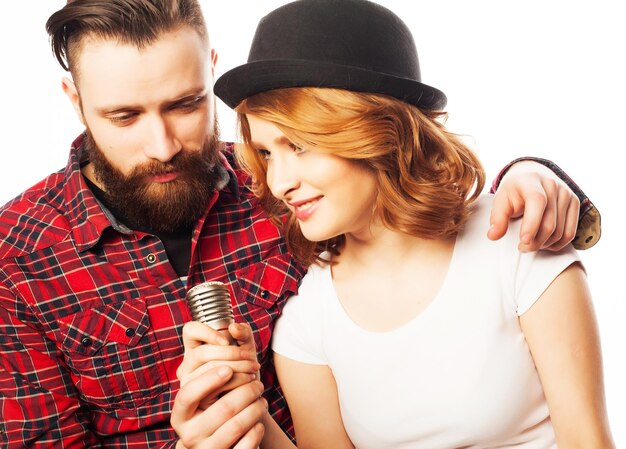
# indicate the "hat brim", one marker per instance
pixel 260 76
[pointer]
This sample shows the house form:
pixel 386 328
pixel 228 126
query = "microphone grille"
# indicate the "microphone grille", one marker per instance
pixel 209 303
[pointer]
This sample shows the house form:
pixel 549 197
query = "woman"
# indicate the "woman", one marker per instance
pixel 411 328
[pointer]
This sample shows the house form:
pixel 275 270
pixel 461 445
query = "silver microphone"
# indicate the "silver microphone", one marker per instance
pixel 210 304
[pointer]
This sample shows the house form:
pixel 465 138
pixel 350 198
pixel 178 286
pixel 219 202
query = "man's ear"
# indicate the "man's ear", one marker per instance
pixel 213 62
pixel 72 93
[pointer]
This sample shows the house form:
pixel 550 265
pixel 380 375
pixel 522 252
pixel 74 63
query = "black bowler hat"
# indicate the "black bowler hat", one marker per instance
pixel 355 45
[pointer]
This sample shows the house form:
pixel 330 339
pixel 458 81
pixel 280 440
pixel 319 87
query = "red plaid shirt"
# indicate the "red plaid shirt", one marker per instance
pixel 91 312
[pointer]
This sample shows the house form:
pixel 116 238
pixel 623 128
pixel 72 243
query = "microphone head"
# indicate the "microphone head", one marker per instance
pixel 209 303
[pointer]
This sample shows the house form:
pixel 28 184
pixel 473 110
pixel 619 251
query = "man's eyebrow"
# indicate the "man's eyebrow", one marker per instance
pixel 112 109
pixel 115 108
pixel 189 95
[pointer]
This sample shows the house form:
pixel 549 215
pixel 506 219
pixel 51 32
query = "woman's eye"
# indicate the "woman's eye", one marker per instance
pixel 263 153
pixel 296 148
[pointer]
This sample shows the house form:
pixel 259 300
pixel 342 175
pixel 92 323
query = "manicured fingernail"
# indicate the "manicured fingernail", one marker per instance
pixel 525 238
pixel 223 371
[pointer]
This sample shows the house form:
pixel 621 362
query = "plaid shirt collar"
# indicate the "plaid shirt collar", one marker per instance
pixel 89 218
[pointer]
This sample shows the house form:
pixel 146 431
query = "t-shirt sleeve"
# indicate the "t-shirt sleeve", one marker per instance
pixel 536 271
pixel 298 331
pixel 523 276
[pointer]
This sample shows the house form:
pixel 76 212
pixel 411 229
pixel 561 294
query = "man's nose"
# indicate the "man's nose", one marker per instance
pixel 161 143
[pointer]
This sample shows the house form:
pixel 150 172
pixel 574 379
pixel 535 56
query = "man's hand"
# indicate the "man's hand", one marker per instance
pixel 220 403
pixel 549 207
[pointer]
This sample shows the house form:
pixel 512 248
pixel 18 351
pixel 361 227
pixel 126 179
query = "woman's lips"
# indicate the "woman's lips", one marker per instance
pixel 304 209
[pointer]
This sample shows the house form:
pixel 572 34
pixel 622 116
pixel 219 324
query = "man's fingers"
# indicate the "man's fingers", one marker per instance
pixel 185 374
pixel 235 381
pixel 569 227
pixel 196 334
pixel 497 229
pixel 202 357
pixel 213 352
pixel 562 203
pixel 502 210
pixel 548 223
pixel 243 334
pixel 535 205
pixel 549 217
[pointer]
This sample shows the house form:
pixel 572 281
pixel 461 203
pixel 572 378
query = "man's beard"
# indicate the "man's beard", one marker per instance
pixel 143 204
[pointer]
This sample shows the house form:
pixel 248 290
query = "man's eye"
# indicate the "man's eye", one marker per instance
pixel 191 105
pixel 122 119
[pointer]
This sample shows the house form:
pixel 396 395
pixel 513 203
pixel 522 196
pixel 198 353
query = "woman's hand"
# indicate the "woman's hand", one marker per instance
pixel 220 403
pixel 206 348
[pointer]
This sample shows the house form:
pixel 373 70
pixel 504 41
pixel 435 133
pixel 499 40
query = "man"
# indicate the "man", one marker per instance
pixel 95 259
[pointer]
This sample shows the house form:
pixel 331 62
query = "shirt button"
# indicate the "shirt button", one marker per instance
pixel 86 342
pixel 130 332
pixel 265 294
pixel 151 258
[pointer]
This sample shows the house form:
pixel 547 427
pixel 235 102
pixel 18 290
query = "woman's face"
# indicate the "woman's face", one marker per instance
pixel 329 195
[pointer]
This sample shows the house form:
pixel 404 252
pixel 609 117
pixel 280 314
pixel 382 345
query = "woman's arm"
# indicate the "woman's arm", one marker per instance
pixel 562 335
pixel 311 394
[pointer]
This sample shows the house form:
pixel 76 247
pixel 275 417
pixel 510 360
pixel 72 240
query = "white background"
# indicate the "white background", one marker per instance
pixel 533 77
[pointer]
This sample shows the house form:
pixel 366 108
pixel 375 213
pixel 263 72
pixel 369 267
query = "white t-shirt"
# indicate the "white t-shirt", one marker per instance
pixel 460 374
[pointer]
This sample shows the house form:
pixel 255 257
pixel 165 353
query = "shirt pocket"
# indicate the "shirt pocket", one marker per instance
pixel 261 291
pixel 113 356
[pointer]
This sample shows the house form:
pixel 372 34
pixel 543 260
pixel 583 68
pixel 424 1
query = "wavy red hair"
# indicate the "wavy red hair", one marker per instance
pixel 427 178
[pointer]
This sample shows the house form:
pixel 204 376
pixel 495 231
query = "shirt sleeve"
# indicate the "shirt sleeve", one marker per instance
pixel 536 271
pixel 589 220
pixel 298 332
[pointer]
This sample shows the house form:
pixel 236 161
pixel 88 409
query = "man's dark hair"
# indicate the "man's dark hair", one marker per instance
pixel 134 22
